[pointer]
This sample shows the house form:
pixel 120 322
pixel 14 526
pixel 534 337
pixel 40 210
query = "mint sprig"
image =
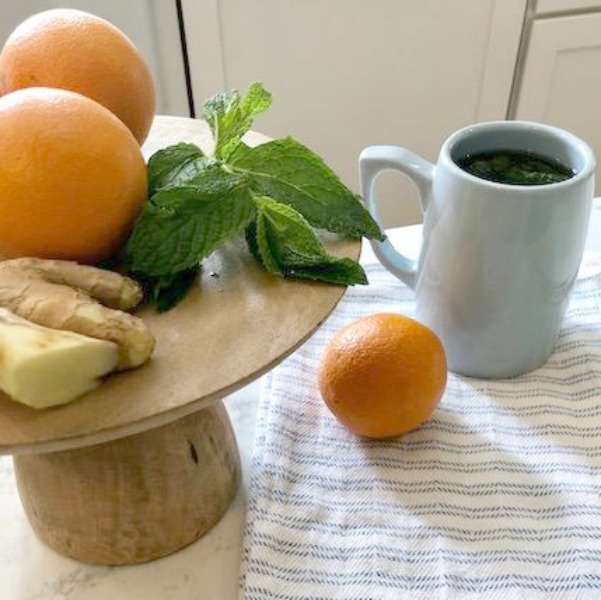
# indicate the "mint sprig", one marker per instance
pixel 275 194
pixel 291 173
pixel 231 115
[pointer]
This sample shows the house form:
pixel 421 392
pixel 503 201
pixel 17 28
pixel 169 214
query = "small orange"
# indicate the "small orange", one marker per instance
pixel 77 51
pixel 72 176
pixel 383 375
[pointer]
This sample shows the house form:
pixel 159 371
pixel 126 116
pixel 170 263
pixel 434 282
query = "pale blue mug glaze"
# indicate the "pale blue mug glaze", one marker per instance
pixel 498 262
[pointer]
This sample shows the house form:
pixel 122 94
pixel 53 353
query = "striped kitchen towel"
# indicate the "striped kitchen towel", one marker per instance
pixel 497 496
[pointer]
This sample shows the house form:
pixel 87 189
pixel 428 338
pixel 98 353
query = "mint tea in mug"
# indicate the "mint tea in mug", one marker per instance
pixel 514 167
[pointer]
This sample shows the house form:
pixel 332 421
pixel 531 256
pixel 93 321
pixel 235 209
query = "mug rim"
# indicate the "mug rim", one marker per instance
pixel 568 137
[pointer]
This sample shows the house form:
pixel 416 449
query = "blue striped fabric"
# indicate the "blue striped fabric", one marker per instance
pixel 497 496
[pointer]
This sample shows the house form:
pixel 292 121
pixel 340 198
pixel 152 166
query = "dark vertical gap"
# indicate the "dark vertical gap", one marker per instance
pixel 518 70
pixel 182 37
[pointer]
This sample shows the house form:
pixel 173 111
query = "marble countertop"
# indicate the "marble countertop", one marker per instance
pixel 206 570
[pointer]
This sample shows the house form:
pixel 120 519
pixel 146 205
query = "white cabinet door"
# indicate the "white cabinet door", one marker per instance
pixel 346 74
pixel 152 25
pixel 545 7
pixel 560 83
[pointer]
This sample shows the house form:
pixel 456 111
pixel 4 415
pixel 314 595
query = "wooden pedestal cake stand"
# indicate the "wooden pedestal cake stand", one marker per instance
pixel 148 463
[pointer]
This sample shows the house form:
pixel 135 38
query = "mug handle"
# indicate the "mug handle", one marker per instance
pixel 372 161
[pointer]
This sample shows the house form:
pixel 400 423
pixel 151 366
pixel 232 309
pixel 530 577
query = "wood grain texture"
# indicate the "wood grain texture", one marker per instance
pixel 234 326
pixel 136 499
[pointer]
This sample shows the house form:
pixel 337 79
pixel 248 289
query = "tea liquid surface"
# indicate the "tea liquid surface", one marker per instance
pixel 514 168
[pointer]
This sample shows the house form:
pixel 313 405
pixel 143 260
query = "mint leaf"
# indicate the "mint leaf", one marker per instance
pixel 174 165
pixel 230 116
pixel 287 170
pixel 285 244
pixel 256 239
pixel 181 225
pixel 168 290
pixel 344 272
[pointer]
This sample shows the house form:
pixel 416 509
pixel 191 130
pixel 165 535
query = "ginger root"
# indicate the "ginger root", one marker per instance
pixel 109 288
pixel 63 327
pixel 87 300
pixel 44 367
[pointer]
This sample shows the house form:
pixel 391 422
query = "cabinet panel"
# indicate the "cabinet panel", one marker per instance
pixel 552 6
pixel 559 83
pixel 350 73
pixel 152 26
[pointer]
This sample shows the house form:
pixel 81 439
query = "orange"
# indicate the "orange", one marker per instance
pixel 77 51
pixel 72 176
pixel 383 375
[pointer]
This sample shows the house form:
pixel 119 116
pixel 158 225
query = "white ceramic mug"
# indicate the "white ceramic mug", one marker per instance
pixel 498 262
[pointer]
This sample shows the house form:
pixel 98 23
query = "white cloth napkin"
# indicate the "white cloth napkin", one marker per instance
pixel 497 496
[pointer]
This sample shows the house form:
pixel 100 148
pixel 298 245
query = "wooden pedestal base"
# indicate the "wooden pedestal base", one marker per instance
pixel 135 499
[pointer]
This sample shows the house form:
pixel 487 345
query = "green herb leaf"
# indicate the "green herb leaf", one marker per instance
pixel 275 193
pixel 181 225
pixel 174 165
pixel 344 272
pixel 168 290
pixel 256 239
pixel 286 245
pixel 230 116
pixel 287 170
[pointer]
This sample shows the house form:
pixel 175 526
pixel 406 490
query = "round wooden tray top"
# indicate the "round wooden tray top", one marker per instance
pixel 235 325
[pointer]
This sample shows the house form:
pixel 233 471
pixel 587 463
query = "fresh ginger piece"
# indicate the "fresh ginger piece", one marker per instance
pixel 108 287
pixel 43 367
pixel 41 291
